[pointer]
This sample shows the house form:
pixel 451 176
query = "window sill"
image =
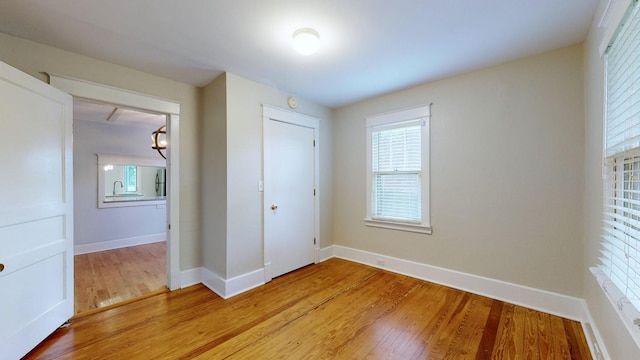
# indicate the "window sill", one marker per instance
pixel 625 309
pixel 417 228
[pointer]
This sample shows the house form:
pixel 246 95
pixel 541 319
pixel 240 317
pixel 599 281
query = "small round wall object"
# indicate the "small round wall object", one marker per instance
pixel 292 102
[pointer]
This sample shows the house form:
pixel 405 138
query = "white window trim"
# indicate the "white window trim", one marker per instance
pixel 612 20
pixel 422 113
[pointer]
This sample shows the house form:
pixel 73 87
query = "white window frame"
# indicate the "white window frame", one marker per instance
pixel 423 114
pixel 620 147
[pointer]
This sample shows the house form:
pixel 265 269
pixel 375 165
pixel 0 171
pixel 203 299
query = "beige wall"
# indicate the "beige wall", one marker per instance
pixel 243 207
pixel 213 158
pixel 506 166
pixel 617 339
pixel 243 164
pixel 34 59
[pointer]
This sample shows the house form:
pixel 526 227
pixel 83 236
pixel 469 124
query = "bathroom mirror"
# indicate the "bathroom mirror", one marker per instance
pixel 131 181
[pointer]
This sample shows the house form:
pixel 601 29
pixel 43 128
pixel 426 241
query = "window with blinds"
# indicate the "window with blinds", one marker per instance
pixel 397 170
pixel 620 255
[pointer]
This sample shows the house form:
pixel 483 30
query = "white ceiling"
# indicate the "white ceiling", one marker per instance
pixel 369 47
pixel 109 114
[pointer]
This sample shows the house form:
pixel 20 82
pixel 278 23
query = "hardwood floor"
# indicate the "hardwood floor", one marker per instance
pixel 332 310
pixel 109 277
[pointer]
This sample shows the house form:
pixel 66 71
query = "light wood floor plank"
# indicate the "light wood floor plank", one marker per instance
pixel 109 277
pixel 332 310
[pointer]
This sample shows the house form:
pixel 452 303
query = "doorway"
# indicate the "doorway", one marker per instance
pixel 291 205
pixel 106 94
pixel 120 244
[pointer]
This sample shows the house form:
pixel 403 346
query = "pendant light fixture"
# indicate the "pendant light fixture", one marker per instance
pixel 306 41
pixel 159 138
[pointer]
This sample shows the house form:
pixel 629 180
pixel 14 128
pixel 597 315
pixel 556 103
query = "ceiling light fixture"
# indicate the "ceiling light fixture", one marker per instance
pixel 159 138
pixel 306 41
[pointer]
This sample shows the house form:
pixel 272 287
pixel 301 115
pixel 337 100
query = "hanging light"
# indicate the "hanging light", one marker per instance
pixel 306 41
pixel 159 138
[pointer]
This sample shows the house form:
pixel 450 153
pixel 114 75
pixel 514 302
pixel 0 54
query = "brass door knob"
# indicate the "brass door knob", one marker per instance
pixel 274 207
pixel 1 267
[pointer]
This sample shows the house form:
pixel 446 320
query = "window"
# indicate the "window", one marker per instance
pixel 619 270
pixel 398 170
pixel 130 178
pixel 621 253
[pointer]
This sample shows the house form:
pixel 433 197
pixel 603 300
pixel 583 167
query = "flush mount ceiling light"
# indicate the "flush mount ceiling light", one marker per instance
pixel 159 138
pixel 306 41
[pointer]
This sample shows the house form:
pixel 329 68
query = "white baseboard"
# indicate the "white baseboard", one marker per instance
pixel 549 302
pixel 224 288
pixel 214 282
pixel 119 243
pixel 594 339
pixel 542 300
pixel 244 282
pixel 190 277
pixel 546 301
pixel 324 254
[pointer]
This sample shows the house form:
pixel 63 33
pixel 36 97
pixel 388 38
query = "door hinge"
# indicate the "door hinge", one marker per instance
pixel 169 226
pixel 314 192
pixel 314 241
pixel 314 143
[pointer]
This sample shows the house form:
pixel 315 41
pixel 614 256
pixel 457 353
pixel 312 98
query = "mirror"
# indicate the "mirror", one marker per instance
pixel 131 181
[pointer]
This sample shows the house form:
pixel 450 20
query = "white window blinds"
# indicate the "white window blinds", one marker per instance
pixel 623 85
pixel 397 166
pixel 620 255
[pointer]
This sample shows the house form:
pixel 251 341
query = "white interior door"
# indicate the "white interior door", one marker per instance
pixel 289 196
pixel 36 211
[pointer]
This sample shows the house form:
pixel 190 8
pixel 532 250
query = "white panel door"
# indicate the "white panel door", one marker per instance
pixel 289 181
pixel 36 207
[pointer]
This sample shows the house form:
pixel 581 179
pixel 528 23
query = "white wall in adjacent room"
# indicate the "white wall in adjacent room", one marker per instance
pixel 92 224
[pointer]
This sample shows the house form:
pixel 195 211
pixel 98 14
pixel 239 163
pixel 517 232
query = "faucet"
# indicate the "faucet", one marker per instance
pixel 114 186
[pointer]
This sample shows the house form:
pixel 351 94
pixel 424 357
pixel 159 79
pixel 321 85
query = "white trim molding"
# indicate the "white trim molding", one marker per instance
pixel 549 302
pixel 118 243
pixel 325 253
pixel 94 91
pixel 612 16
pixel 627 312
pixel 191 277
pixel 419 116
pixel 229 287
pixel 594 339
pixel 542 300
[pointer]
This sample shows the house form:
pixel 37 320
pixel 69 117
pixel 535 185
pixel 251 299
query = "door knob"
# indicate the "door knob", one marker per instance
pixel 1 267
pixel 274 207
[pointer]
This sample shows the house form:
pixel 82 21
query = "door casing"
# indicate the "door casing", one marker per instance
pixel 107 94
pixel 270 113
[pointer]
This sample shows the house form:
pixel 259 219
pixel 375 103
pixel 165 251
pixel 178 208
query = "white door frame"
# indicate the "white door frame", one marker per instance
pixel 270 113
pixel 103 93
